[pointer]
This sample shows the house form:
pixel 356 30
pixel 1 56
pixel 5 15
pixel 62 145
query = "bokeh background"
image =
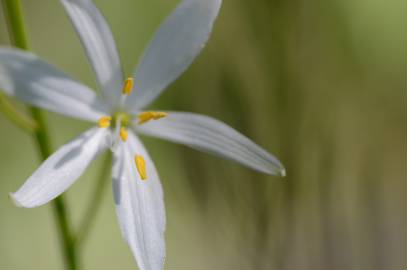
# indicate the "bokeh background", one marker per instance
pixel 321 84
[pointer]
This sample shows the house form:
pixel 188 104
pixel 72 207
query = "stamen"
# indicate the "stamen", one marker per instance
pixel 104 121
pixel 147 116
pixel 128 86
pixel 123 134
pixel 141 166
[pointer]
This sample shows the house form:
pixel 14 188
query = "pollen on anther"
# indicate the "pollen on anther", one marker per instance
pixel 141 166
pixel 144 117
pixel 123 134
pixel 104 121
pixel 128 86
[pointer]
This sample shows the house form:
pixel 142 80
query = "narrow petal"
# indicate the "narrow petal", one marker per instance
pixel 61 169
pixel 99 44
pixel 28 78
pixel 139 205
pixel 210 135
pixel 175 45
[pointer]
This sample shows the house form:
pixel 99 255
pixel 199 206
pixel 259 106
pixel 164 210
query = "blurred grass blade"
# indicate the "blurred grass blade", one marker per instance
pixel 16 116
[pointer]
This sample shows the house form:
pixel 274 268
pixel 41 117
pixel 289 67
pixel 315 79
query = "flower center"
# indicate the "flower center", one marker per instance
pixel 120 121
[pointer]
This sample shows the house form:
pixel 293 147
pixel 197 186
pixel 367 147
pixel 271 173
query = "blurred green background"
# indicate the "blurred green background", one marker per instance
pixel 321 84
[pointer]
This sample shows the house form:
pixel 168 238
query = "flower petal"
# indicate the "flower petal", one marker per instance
pixel 38 83
pixel 61 169
pixel 210 135
pixel 99 44
pixel 139 205
pixel 175 45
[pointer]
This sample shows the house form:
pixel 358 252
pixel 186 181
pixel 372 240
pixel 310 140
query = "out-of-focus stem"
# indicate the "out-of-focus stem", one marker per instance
pixel 94 203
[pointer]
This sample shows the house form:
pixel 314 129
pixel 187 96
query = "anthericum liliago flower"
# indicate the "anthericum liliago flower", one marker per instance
pixel 120 114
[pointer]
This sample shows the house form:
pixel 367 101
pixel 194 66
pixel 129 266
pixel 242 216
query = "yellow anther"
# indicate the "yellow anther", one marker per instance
pixel 128 86
pixel 123 134
pixel 104 121
pixel 141 166
pixel 147 116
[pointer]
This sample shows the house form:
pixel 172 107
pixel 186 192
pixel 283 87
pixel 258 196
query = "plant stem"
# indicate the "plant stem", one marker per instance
pixel 15 23
pixel 94 203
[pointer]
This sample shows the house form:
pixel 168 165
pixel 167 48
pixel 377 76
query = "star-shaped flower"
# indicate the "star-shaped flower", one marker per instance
pixel 119 114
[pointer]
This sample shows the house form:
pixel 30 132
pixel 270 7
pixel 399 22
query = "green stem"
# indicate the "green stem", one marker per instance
pixel 15 23
pixel 94 203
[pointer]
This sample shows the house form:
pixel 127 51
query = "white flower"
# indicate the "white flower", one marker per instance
pixel 119 115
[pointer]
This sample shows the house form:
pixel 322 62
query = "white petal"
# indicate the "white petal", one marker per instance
pixel 175 45
pixel 139 205
pixel 61 169
pixel 28 78
pixel 210 135
pixel 99 44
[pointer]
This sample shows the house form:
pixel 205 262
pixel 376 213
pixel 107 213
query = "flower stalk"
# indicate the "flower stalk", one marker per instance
pixel 18 37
